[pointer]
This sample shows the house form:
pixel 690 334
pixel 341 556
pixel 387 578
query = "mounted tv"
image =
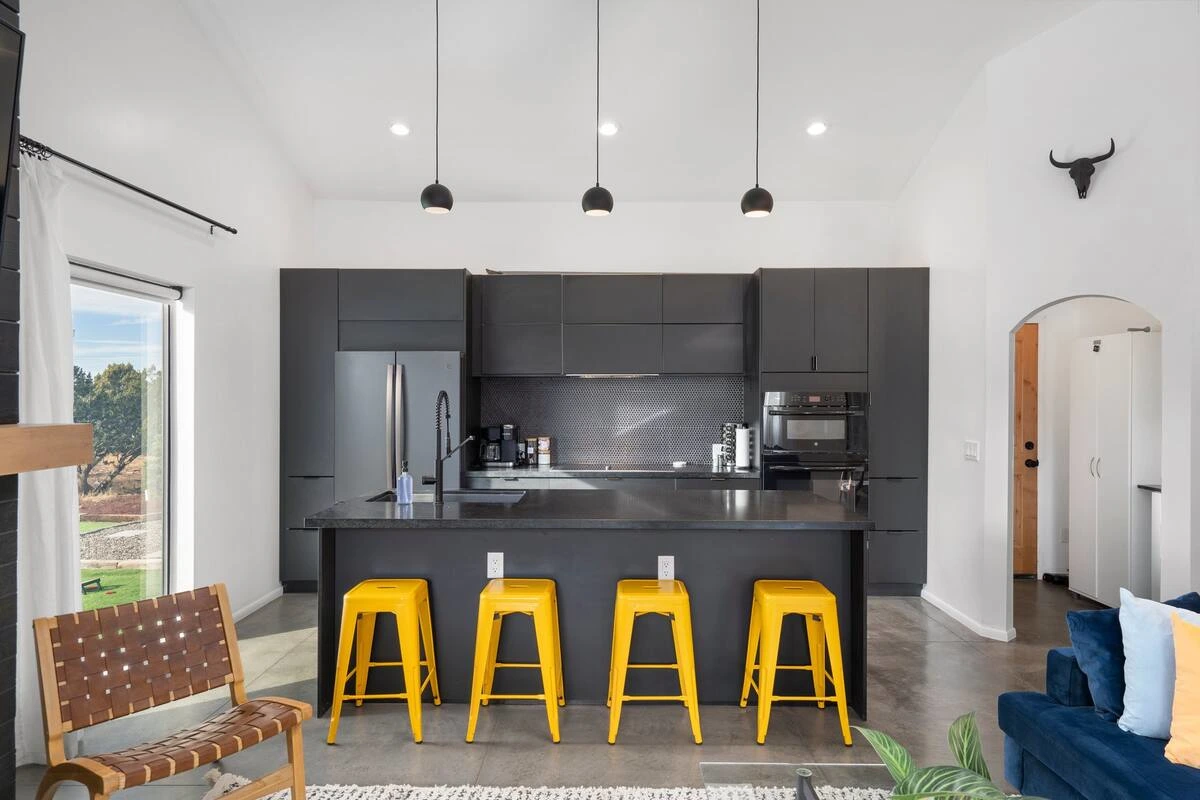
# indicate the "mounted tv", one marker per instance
pixel 12 49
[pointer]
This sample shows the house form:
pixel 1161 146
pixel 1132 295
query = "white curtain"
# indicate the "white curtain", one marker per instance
pixel 48 502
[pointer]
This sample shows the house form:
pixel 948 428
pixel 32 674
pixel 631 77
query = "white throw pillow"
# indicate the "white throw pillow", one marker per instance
pixel 1149 664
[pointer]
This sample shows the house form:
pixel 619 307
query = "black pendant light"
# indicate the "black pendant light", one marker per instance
pixel 757 202
pixel 437 199
pixel 597 201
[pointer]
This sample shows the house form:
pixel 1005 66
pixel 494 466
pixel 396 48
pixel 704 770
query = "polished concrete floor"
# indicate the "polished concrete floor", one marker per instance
pixel 924 670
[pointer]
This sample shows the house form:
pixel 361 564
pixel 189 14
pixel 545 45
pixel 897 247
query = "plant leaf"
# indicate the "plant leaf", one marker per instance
pixel 898 761
pixel 946 782
pixel 964 743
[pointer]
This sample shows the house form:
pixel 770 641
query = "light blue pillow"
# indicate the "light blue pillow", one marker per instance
pixel 1149 664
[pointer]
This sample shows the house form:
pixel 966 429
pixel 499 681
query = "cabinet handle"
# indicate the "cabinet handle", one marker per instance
pixel 514 480
pixel 813 364
pixel 1092 466
pixel 1098 460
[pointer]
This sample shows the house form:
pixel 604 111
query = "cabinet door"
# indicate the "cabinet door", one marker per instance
pixel 1081 485
pixel 308 339
pixel 897 557
pixel 304 496
pixel 1113 481
pixel 840 320
pixel 612 299
pixel 898 504
pixel 534 349
pixel 612 349
pixel 898 378
pixel 702 349
pixel 298 555
pixel 786 320
pixel 401 294
pixel 521 299
pixel 704 298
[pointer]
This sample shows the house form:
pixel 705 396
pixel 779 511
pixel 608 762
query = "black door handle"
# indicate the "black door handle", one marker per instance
pixel 1031 462
pixel 1029 445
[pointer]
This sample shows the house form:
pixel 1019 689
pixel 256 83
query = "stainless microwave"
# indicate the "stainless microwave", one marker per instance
pixel 831 425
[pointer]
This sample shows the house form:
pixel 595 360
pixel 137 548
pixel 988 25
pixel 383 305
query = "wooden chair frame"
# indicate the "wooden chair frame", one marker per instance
pixel 102 780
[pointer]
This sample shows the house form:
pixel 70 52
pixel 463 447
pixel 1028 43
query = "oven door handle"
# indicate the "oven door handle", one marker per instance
pixel 825 412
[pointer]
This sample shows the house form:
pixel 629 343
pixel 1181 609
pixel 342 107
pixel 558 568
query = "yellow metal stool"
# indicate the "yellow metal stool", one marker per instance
pixel 670 599
pixel 408 599
pixel 534 597
pixel 773 600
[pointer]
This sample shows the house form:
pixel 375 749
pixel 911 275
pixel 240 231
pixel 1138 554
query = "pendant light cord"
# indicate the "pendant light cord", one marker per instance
pixel 437 88
pixel 597 92
pixel 757 73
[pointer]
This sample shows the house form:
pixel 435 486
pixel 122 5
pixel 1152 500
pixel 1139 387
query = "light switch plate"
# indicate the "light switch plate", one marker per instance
pixel 495 565
pixel 666 568
pixel 971 450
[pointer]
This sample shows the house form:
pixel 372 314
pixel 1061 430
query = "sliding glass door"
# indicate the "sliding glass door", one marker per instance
pixel 121 387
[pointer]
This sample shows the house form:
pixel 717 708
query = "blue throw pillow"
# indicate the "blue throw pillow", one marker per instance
pixel 1096 639
pixel 1149 644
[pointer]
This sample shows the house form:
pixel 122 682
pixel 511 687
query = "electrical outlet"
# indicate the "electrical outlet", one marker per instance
pixel 495 565
pixel 971 450
pixel 666 568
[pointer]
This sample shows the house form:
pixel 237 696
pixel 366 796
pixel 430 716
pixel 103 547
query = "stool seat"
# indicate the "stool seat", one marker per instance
pixel 408 600
pixel 636 598
pixel 535 597
pixel 793 591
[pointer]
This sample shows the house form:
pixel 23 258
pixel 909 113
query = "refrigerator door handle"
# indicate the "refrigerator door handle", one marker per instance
pixel 389 427
pixel 398 414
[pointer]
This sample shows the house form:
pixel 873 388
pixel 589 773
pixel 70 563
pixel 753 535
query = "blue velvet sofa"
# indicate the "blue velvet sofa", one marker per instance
pixel 1056 746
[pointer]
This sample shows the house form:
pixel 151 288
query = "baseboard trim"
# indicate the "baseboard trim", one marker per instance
pixel 894 589
pixel 303 587
pixel 999 634
pixel 250 608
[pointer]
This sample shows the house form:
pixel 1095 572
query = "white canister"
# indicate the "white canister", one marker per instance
pixel 718 456
pixel 741 457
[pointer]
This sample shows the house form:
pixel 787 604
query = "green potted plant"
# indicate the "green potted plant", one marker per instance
pixel 970 780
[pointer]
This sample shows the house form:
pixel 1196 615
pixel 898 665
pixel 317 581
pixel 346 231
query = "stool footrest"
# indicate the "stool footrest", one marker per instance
pixel 498 665
pixel 641 698
pixel 787 698
pixel 400 696
pixel 512 697
pixel 805 667
pixel 652 666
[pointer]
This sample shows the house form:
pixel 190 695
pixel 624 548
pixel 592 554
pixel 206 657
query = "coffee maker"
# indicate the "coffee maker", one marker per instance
pixel 500 446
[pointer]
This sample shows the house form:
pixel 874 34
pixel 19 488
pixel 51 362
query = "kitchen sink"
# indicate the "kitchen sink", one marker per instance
pixel 457 496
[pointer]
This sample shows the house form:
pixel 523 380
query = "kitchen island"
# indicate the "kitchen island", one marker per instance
pixel 587 540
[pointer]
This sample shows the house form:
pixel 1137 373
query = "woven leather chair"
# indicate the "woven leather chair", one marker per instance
pixel 95 666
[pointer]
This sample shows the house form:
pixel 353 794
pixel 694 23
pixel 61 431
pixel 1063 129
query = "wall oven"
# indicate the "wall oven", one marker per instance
pixel 817 442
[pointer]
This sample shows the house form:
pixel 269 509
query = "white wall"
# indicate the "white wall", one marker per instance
pixel 1059 327
pixel 134 88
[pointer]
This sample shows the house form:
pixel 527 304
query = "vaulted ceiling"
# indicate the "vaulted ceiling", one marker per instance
pixel 518 78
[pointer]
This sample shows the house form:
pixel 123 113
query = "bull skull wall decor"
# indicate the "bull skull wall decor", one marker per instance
pixel 1082 169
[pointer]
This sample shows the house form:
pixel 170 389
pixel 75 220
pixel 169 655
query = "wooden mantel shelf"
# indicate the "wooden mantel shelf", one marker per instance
pixel 24 448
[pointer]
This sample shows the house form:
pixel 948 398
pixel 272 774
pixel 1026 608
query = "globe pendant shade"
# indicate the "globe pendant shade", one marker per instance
pixel 436 199
pixel 597 202
pixel 757 202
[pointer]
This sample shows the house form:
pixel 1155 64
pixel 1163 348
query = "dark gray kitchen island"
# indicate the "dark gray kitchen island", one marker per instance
pixel 586 541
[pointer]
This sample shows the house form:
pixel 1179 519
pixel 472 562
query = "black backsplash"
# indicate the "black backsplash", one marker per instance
pixel 651 420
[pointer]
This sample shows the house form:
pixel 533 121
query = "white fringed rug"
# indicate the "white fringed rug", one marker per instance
pixel 735 792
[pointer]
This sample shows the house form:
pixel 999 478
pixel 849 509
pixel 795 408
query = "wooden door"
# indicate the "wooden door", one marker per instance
pixel 1025 437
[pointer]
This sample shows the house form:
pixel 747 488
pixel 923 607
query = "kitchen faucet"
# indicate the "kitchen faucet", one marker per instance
pixel 443 402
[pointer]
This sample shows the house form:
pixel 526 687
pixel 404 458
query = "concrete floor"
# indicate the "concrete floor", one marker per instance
pixel 924 670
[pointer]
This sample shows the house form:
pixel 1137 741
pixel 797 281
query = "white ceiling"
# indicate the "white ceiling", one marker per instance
pixel 677 75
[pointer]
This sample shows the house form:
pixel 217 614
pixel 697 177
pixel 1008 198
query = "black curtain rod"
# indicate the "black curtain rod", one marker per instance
pixel 39 150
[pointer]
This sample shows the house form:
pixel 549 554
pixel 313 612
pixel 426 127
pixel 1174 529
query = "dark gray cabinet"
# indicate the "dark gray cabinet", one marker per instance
pixel 898 377
pixel 702 349
pixel 304 496
pixel 612 349
pixel 813 320
pixel 513 299
pixel 308 333
pixel 401 294
pixel 591 299
pixel 704 298
pixel 402 335
pixel 526 349
pixel 896 562
pixel 898 504
pixel 299 559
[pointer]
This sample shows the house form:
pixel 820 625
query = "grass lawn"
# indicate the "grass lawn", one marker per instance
pixel 89 526
pixel 120 586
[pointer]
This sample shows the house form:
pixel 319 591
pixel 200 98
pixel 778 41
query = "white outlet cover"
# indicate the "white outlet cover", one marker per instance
pixel 666 568
pixel 971 450
pixel 495 565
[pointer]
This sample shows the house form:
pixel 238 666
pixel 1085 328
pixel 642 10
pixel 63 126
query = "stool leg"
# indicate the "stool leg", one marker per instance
pixel 833 642
pixel 483 635
pixel 427 637
pixel 362 658
pixel 612 658
pixel 409 633
pixel 558 667
pixel 816 652
pixel 493 654
pixel 543 628
pixel 345 644
pixel 622 635
pixel 679 671
pixel 751 650
pixel 686 656
pixel 768 659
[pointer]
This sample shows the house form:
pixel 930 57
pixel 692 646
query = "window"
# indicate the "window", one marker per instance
pixel 122 333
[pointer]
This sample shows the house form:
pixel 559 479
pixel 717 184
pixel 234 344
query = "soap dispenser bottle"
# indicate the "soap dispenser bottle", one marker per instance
pixel 404 486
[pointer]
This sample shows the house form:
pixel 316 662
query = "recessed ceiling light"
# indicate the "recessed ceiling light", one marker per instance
pixel 608 128
pixel 817 128
pixel 399 128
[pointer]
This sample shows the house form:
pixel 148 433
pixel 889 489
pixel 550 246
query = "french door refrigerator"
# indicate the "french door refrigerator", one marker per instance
pixel 384 406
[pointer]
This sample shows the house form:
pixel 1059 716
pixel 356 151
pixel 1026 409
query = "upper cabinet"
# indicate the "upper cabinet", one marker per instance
pixel 520 299
pixel 520 324
pixel 813 320
pixel 402 309
pixel 612 299
pixel 704 299
pixel 899 372
pixel 308 332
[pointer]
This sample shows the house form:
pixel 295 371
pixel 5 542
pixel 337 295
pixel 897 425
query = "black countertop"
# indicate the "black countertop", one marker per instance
pixel 666 509
pixel 612 471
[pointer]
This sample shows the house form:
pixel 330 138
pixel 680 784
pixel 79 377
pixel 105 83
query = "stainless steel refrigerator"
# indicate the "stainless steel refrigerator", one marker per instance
pixel 384 415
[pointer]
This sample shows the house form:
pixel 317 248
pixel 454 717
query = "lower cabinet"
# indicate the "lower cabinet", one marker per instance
pixel 298 559
pixel 896 562
pixel 298 545
pixel 616 482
